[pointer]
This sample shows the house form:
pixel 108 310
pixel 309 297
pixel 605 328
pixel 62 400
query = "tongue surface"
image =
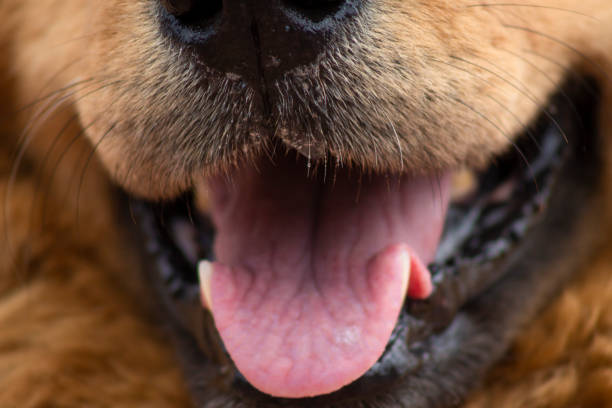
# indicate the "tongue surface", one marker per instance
pixel 310 277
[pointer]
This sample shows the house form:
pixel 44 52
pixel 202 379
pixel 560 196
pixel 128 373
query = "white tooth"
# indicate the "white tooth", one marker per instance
pixel 406 262
pixel 205 270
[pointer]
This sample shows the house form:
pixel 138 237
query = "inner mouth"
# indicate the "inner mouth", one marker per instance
pixel 484 215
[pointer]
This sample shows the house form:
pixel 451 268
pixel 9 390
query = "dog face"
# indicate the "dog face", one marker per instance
pixel 308 158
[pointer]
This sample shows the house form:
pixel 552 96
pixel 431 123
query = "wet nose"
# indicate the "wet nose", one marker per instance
pixel 257 39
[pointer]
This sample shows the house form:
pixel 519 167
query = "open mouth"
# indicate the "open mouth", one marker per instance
pixel 322 277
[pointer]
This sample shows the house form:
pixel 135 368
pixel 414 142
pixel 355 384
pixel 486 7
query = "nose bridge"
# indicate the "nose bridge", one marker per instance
pixel 237 11
pixel 251 5
pixel 232 45
pixel 283 42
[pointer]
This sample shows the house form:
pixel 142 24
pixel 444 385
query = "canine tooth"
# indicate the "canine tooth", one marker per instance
pixel 205 270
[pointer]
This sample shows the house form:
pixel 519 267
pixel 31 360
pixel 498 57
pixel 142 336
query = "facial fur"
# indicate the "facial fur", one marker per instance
pixel 407 86
pixel 452 70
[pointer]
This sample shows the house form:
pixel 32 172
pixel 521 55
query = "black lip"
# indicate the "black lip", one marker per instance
pixel 441 346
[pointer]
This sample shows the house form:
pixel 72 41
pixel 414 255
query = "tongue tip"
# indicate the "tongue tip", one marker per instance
pixel 313 357
pixel 391 268
pixel 296 387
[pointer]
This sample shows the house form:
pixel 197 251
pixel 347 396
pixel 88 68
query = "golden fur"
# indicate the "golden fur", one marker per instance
pixel 75 331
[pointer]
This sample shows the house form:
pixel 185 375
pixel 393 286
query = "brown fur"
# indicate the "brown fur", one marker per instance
pixel 564 358
pixel 75 331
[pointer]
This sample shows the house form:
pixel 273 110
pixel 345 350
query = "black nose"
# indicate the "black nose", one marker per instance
pixel 257 39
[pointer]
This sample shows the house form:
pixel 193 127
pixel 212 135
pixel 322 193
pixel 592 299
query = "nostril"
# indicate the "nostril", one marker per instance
pixel 193 12
pixel 315 10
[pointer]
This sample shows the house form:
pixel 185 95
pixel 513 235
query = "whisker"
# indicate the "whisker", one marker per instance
pixel 539 6
pixel 565 68
pixel 565 44
pixel 84 171
pixel 79 38
pixel 561 91
pixel 524 126
pixel 59 161
pixel 52 94
pixel 43 165
pixel 523 91
pixel 41 116
pixel 508 137
pixel 81 97
pixel 24 140
pixel 399 144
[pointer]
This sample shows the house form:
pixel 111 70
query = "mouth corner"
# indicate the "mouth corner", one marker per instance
pixel 492 224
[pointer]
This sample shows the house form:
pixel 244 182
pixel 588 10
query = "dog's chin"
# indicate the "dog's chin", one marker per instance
pixel 302 300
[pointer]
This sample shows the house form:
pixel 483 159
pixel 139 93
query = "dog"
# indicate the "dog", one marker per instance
pixel 305 203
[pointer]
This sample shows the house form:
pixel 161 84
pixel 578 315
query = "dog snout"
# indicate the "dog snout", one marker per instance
pixel 254 39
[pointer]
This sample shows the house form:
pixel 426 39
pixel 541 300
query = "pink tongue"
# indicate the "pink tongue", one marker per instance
pixel 310 277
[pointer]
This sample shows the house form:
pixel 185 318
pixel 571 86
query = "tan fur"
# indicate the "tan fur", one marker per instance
pixel 74 331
